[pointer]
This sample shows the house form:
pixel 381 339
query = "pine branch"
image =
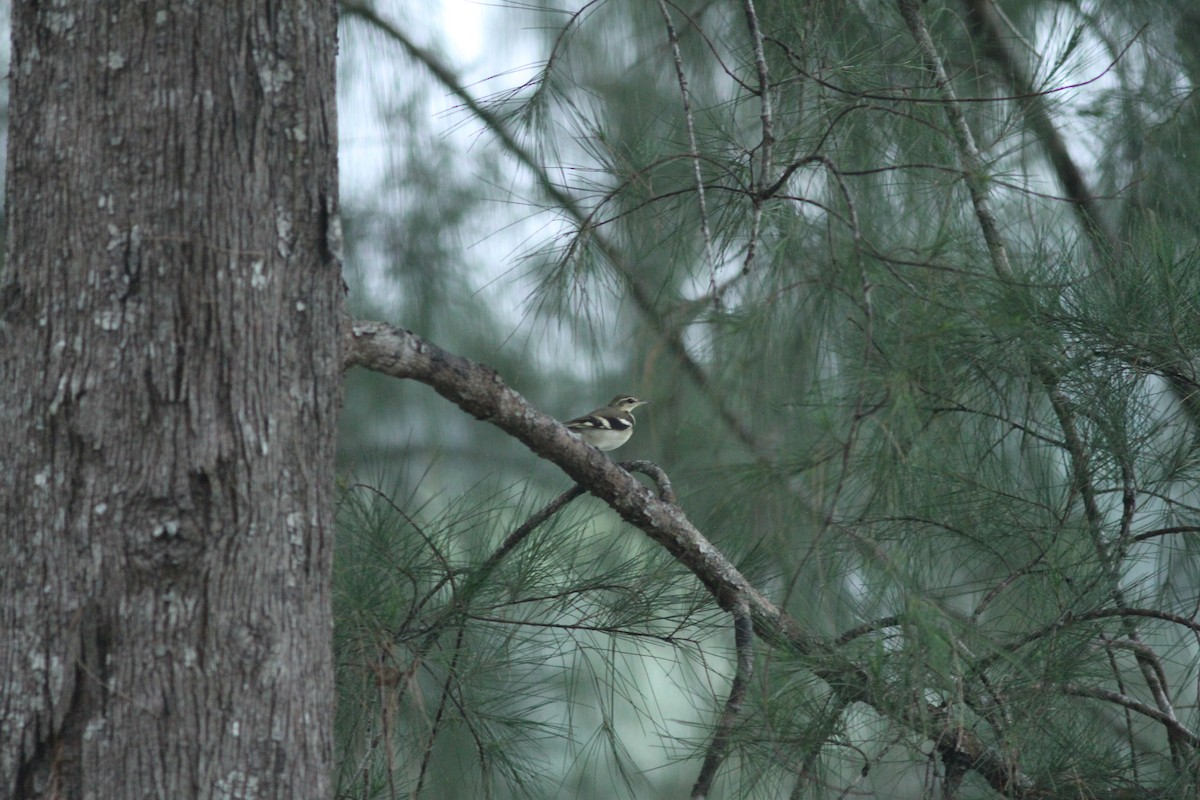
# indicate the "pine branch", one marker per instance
pixel 479 391
pixel 743 636
pixel 642 297
pixel 1081 473
pixel 767 147
pixel 1172 725
pixel 693 148
pixel 982 15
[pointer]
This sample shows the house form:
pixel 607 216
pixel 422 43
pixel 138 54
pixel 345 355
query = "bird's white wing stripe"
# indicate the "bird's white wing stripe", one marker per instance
pixel 601 423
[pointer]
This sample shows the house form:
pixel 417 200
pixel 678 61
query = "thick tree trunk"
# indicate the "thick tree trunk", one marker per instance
pixel 169 386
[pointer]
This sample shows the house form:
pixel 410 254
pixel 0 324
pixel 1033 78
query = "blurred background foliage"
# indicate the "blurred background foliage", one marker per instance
pixel 977 487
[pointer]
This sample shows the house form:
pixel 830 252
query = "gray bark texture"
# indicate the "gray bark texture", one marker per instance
pixel 170 372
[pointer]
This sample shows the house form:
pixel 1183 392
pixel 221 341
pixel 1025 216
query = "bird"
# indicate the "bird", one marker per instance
pixel 609 427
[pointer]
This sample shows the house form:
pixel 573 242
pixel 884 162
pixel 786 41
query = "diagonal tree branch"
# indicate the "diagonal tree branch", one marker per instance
pixel 482 393
pixel 982 15
pixel 479 391
pixel 642 298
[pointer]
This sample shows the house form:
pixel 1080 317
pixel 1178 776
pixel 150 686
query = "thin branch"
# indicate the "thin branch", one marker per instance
pixel 958 407
pixel 968 151
pixel 1170 723
pixel 1141 537
pixel 982 15
pixel 1103 613
pixel 1128 504
pixel 460 600
pixel 693 148
pixel 1114 668
pixel 576 627
pixel 766 165
pixel 767 146
pixel 444 698
pixel 1004 584
pixel 743 637
pixel 904 94
pixel 665 491
pixel 712 47
pixel 890 621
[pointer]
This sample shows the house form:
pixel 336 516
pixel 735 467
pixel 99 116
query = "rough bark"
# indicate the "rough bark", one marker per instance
pixel 169 385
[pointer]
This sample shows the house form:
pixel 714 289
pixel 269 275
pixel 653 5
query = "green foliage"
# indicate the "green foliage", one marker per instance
pixel 442 650
pixel 975 483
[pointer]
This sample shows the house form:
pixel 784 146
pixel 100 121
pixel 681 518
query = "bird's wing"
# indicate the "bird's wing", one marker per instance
pixel 595 421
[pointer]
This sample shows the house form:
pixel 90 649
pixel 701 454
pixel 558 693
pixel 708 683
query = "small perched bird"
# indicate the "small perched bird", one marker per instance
pixel 610 427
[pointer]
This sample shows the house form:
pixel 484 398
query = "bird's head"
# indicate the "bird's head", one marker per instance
pixel 626 402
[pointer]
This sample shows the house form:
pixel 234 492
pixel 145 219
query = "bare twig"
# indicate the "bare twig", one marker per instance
pixel 1115 669
pixel 767 145
pixel 982 14
pixel 444 698
pixel 766 155
pixel 1167 721
pixel 743 637
pixel 890 621
pixel 1141 537
pixel 968 151
pixel 693 148
pixel 665 492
